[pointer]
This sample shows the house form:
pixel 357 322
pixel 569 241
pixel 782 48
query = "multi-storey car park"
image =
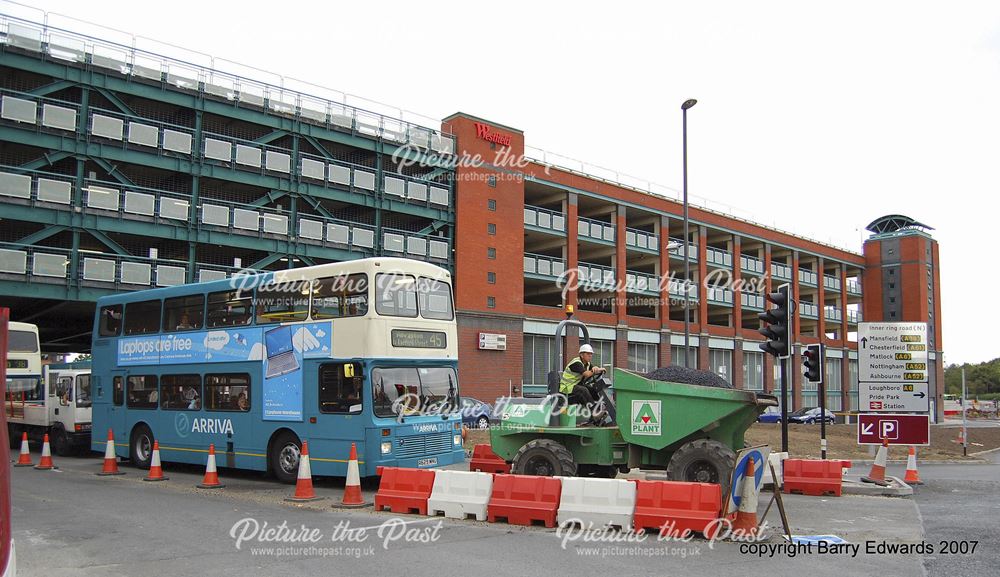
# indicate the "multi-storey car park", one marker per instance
pixel 123 168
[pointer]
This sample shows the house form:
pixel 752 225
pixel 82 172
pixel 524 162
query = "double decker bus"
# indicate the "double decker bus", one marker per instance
pixel 360 352
pixel 24 400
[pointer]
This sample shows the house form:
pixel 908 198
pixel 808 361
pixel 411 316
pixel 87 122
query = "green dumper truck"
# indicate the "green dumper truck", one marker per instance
pixel 692 432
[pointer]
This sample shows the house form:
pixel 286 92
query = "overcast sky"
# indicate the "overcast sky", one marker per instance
pixel 840 114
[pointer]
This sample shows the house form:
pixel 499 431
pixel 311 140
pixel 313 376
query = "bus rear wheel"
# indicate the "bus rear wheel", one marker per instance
pixel 284 456
pixel 140 447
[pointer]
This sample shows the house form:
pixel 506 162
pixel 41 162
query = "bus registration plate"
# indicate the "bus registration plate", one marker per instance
pixel 427 462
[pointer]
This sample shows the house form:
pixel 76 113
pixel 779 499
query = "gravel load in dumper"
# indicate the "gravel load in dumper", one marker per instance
pixel 676 374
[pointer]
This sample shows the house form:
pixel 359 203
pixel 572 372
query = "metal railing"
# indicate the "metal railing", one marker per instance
pixel 678 251
pixel 641 239
pixel 718 257
pixel 412 244
pixel 595 229
pixel 719 295
pixel 808 310
pixel 641 282
pixel 677 289
pixel 832 313
pixel 854 286
pixel 752 300
pixel 751 264
pixel 853 317
pixel 41 263
pixel 781 271
pixel 544 218
pixel 596 276
pixel 808 277
pixel 831 282
pixel 152 60
pixel 542 265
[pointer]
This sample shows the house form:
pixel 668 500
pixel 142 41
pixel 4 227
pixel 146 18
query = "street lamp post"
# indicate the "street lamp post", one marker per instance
pixel 687 263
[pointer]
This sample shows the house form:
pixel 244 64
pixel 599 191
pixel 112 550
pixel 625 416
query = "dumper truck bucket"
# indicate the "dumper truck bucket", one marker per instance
pixel 658 414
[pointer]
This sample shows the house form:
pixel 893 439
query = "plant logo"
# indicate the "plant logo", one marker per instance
pixel 646 417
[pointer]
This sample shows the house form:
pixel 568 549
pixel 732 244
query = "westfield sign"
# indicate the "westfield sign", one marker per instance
pixel 486 133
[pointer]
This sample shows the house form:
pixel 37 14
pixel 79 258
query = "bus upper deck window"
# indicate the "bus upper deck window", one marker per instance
pixel 229 308
pixel 142 317
pixel 282 302
pixel 110 324
pixel 340 296
pixel 435 299
pixel 183 313
pixel 395 295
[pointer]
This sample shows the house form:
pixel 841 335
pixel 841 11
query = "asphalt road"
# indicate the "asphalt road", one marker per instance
pixel 71 522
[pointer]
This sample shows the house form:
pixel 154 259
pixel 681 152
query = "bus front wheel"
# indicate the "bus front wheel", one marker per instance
pixel 285 452
pixel 141 447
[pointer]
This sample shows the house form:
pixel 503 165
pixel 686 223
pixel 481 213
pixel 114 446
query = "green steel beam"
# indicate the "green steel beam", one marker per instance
pixel 112 170
pixel 269 138
pixel 109 153
pixel 52 88
pixel 113 98
pixel 319 207
pixel 110 243
pixel 42 234
pixel 270 196
pixel 268 260
pixel 433 227
pixel 318 146
pixel 48 159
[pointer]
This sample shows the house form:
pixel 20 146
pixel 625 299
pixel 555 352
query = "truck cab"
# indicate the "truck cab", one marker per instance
pixel 68 403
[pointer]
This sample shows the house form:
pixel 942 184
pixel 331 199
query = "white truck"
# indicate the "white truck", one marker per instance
pixel 52 399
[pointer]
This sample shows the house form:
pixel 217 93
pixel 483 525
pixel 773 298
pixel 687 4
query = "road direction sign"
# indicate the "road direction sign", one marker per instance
pixel 897 429
pixel 892 352
pixel 890 397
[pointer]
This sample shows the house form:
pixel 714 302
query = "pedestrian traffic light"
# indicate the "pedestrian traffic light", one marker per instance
pixel 778 323
pixel 812 361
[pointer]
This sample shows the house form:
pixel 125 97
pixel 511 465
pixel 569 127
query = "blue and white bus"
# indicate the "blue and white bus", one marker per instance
pixel 358 352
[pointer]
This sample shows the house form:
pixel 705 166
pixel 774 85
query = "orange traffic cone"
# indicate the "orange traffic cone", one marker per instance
pixel 211 480
pixel 745 523
pixel 155 469
pixel 877 474
pixel 352 487
pixel 25 459
pixel 912 476
pixel 304 484
pixel 110 459
pixel 45 464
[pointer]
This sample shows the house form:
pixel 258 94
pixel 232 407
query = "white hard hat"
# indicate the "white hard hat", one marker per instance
pixel 586 348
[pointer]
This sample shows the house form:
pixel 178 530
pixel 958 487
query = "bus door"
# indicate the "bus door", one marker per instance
pixel 116 412
pixel 337 408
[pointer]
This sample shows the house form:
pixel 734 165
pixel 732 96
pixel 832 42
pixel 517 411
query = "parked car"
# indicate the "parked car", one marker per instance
pixel 810 416
pixel 475 413
pixel 770 415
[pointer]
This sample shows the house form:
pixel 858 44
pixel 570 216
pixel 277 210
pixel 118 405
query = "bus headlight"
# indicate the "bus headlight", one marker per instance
pixel 458 439
pixel 386 448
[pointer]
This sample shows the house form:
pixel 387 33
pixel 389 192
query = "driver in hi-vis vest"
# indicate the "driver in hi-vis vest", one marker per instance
pixel 575 374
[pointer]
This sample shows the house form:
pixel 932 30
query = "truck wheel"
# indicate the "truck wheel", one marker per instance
pixel 140 447
pixel 284 457
pixel 60 443
pixel 702 461
pixel 544 457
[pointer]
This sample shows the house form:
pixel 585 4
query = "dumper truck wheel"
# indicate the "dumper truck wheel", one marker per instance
pixel 702 461
pixel 544 457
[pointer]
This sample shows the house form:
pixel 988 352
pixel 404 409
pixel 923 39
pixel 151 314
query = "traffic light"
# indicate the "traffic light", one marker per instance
pixel 778 321
pixel 812 361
